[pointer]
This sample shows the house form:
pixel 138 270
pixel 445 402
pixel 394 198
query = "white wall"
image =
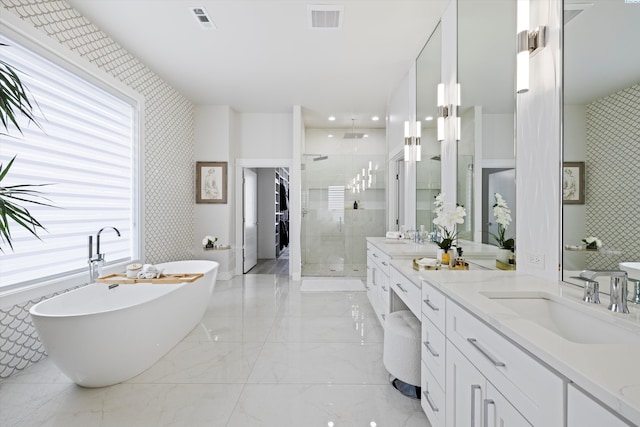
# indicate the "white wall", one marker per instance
pixel 539 152
pixel 265 136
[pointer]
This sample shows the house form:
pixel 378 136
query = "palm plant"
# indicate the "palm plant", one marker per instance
pixel 14 101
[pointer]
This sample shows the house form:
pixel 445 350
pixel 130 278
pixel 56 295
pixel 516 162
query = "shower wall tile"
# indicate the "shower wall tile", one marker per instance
pixel 169 139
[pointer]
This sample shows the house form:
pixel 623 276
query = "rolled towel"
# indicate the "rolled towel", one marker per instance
pixel 393 235
pixel 143 275
pixel 426 262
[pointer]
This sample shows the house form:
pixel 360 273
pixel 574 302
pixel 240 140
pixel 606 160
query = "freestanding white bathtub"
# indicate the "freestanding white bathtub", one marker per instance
pixel 99 336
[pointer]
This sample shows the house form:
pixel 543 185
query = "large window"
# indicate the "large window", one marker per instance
pixel 86 150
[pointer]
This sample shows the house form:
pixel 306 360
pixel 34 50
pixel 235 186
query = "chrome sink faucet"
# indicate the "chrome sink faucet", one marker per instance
pixel 618 294
pixel 96 263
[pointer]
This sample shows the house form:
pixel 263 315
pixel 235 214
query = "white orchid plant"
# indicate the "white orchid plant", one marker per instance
pixel 503 217
pixel 592 243
pixel 447 221
pixel 208 240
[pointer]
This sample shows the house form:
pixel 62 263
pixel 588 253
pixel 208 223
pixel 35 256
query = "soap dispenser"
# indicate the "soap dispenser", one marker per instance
pixel 355 204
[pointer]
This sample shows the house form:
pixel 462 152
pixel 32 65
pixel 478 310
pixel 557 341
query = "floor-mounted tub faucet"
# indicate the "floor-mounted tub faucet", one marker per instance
pixel 96 263
pixel 618 292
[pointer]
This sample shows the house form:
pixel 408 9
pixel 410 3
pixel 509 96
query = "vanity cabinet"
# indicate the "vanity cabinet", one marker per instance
pixel 534 390
pixel 474 401
pixel 583 411
pixel 378 264
pixel 433 354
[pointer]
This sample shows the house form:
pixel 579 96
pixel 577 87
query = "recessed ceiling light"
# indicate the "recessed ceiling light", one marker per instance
pixel 365 136
pixel 375 118
pixel 428 118
pixel 331 118
pixel 330 135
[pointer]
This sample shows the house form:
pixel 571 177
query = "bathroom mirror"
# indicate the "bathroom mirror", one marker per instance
pixel 428 169
pixel 486 150
pixel 601 135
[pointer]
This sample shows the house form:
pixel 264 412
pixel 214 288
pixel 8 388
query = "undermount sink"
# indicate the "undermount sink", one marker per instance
pixel 394 242
pixel 632 269
pixel 575 324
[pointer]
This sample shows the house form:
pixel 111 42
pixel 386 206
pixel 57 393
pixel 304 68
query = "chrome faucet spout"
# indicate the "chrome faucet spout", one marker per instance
pixel 96 263
pixel 618 293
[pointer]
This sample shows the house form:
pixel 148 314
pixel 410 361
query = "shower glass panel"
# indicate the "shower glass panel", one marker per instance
pixel 343 201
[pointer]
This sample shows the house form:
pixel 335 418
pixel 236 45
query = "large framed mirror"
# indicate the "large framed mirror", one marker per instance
pixel 601 137
pixel 428 169
pixel 486 150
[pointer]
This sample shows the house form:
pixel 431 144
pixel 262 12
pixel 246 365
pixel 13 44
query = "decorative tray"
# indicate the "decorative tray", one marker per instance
pixel 165 279
pixel 503 266
pixel 419 267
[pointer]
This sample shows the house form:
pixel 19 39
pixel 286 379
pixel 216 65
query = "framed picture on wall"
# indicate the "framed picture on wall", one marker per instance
pixel 211 182
pixel 573 183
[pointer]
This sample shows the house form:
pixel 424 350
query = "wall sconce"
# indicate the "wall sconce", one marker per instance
pixel 528 44
pixel 412 148
pixel 446 110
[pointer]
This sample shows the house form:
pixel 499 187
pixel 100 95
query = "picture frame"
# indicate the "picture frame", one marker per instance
pixel 211 182
pixel 573 183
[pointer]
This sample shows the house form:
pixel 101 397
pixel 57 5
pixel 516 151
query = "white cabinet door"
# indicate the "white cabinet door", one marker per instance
pixel 466 391
pixel 582 411
pixel 498 412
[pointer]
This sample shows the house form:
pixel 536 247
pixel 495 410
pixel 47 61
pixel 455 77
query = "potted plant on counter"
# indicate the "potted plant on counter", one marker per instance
pixel 506 245
pixel 447 221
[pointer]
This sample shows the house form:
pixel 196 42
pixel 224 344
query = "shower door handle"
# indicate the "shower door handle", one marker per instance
pixel 340 224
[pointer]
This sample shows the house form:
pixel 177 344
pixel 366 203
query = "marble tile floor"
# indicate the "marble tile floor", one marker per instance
pixel 265 354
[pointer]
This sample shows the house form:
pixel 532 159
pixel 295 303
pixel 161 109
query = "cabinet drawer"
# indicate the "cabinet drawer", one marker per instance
pixel 381 259
pixel 432 398
pixel 433 350
pixel 408 292
pixel 434 305
pixel 532 388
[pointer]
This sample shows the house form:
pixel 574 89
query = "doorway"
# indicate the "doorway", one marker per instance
pixel 265 220
pixel 501 181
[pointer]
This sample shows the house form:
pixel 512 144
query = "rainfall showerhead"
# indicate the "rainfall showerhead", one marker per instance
pixel 436 158
pixel 315 159
pixel 353 134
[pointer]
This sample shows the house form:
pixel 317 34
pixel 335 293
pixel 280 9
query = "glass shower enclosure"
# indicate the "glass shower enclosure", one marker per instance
pixel 343 201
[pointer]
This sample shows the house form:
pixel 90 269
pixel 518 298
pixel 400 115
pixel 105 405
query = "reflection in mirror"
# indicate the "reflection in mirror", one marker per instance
pixel 486 151
pixel 428 170
pixel 601 135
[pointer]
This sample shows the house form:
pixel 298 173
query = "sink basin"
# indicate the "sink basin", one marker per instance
pixel 394 242
pixel 632 268
pixel 568 320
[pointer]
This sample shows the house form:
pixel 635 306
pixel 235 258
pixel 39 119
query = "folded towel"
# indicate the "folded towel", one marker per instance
pixel 426 262
pixel 393 234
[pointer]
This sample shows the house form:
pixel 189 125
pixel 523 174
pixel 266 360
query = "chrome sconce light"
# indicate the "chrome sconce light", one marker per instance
pixel 447 110
pixel 528 44
pixel 412 148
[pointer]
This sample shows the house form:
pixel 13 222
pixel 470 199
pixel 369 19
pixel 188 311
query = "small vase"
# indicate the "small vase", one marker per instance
pixel 446 257
pixel 503 255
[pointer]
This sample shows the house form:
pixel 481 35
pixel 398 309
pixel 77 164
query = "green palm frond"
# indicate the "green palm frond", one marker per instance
pixel 10 209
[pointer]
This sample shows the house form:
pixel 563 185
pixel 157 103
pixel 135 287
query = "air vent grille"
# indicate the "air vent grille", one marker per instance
pixel 203 18
pixel 326 17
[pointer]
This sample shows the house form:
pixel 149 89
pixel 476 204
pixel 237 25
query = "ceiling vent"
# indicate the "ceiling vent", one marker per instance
pixel 325 16
pixel 201 15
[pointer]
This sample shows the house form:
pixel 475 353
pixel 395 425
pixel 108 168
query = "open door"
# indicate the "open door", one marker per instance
pixel 250 219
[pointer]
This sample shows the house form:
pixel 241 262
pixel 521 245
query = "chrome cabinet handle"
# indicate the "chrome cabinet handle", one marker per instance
pixel 485 353
pixel 384 316
pixel 384 263
pixel 401 288
pixel 430 305
pixel 432 350
pixel 375 255
pixel 384 288
pixel 474 388
pixel 430 401
pixel 488 402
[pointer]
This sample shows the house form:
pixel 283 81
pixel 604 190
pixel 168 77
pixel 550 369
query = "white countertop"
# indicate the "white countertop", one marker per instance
pixel 405 248
pixel 609 372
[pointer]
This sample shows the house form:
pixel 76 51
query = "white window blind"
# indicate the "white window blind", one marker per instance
pixel 336 202
pixel 85 150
